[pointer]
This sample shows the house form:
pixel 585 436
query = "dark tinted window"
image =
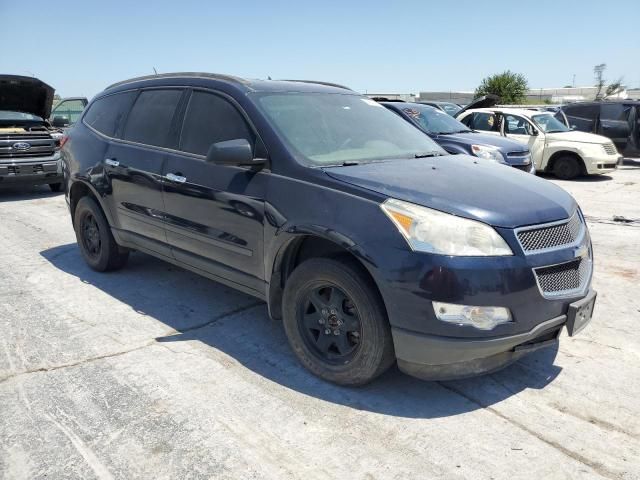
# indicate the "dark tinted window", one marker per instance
pixel 210 119
pixel 485 121
pixel 583 117
pixel 150 119
pixel 107 113
pixel 615 111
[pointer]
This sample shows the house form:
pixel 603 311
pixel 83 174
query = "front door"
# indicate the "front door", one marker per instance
pixel 214 213
pixel 520 129
pixel 134 168
pixel 614 123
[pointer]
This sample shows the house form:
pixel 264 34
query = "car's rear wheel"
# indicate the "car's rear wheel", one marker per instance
pixel 336 322
pixel 566 168
pixel 97 245
pixel 55 187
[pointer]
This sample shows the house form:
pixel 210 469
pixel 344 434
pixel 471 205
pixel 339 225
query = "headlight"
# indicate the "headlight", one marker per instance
pixel 428 230
pixel 485 151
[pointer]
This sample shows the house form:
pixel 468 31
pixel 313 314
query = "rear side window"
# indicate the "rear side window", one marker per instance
pixel 615 111
pixel 485 121
pixel 210 119
pixel 107 113
pixel 151 117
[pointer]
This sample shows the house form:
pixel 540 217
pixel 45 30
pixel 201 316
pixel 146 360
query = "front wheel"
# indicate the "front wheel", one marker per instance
pixel 97 245
pixel 336 322
pixel 566 168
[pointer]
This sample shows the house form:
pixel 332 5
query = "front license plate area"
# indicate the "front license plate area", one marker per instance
pixel 580 314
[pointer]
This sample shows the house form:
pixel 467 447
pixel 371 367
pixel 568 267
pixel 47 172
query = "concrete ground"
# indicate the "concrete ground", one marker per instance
pixel 154 372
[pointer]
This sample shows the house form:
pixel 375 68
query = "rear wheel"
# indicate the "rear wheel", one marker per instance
pixel 97 245
pixel 336 322
pixel 566 168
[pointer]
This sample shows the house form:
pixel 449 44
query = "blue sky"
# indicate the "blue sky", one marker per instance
pixel 79 47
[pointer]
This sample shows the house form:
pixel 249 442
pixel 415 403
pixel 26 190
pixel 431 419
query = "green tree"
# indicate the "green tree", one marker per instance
pixel 510 87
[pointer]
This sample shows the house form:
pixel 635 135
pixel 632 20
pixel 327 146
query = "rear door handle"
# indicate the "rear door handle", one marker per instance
pixel 112 162
pixel 176 178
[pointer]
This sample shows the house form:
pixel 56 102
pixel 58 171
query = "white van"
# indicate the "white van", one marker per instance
pixel 554 147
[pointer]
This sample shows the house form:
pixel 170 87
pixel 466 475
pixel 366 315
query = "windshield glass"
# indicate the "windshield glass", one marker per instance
pixel 433 120
pixel 18 116
pixel 550 124
pixel 330 129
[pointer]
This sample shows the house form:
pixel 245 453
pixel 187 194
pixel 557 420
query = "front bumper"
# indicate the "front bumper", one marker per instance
pixel 602 164
pixel 444 358
pixel 35 171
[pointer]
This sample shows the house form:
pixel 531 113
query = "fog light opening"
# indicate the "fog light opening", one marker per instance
pixel 482 318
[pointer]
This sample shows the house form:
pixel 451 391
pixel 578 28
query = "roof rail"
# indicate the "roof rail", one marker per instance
pixel 227 78
pixel 328 84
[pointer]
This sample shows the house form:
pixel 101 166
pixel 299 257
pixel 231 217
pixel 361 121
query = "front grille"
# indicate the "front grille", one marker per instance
pixel 610 149
pixel 40 145
pixel 565 278
pixel 551 236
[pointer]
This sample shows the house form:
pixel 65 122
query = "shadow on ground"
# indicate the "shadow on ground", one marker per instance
pixel 259 344
pixel 16 193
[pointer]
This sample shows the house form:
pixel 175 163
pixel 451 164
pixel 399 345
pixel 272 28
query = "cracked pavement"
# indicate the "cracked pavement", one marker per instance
pixel 154 372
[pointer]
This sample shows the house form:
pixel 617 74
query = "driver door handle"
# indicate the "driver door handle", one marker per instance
pixel 175 178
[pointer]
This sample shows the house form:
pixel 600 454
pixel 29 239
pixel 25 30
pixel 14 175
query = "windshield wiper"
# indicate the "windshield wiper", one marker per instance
pixel 427 154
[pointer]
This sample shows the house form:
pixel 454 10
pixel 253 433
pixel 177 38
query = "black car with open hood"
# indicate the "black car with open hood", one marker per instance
pixel 29 145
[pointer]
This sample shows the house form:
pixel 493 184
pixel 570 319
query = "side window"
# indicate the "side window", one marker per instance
pixel 467 121
pixel 582 116
pixel 210 119
pixel 71 109
pixel 517 125
pixel 150 118
pixel 107 113
pixel 615 111
pixel 486 122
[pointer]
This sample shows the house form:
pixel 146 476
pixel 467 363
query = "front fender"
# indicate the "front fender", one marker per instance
pixel 553 148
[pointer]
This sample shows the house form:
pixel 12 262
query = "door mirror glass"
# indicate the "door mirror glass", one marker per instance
pixel 60 121
pixel 232 152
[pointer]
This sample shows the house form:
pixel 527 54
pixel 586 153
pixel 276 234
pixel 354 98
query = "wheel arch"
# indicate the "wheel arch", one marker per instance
pixel 563 152
pixel 305 244
pixel 80 189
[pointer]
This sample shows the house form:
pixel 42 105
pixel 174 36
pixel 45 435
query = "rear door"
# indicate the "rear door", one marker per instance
pixel 134 167
pixel 614 123
pixel 214 213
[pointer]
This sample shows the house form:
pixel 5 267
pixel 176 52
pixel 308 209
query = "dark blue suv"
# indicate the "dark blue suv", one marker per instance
pixel 455 137
pixel 370 243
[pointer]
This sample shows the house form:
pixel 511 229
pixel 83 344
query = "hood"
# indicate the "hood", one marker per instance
pixel 486 101
pixel 476 138
pixel 25 94
pixel 576 136
pixel 463 186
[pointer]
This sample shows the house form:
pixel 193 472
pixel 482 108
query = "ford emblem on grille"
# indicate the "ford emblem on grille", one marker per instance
pixel 21 146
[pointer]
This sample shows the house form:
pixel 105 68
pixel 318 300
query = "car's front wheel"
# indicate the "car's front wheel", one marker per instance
pixel 336 322
pixel 566 168
pixel 97 245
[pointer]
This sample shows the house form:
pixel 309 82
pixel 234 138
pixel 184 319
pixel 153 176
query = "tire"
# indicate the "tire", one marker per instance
pixel 97 245
pixel 363 348
pixel 566 168
pixel 55 187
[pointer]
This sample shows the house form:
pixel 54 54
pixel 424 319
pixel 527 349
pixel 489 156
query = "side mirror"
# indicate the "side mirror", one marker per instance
pixel 60 121
pixel 573 127
pixel 233 152
pixel 534 132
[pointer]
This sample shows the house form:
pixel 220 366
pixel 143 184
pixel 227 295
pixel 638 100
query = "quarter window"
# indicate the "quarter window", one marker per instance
pixel 107 113
pixel 151 116
pixel 210 119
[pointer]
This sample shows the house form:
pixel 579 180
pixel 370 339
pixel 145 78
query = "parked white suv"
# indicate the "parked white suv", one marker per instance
pixel 554 147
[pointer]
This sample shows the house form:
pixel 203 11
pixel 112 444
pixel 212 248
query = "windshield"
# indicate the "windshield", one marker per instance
pixel 433 120
pixel 450 108
pixel 550 124
pixel 330 129
pixel 18 116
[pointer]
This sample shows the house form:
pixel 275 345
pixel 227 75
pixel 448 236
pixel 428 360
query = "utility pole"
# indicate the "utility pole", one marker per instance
pixel 574 81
